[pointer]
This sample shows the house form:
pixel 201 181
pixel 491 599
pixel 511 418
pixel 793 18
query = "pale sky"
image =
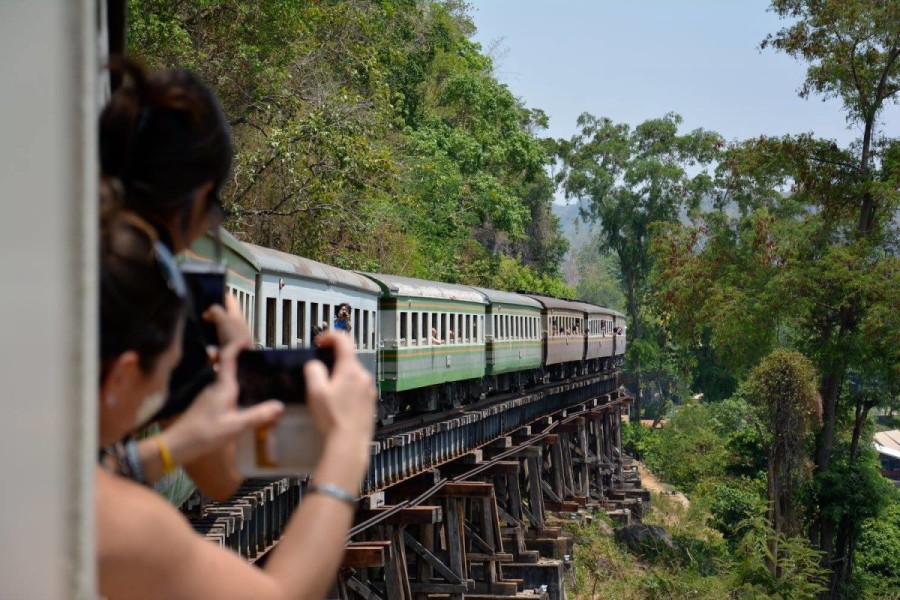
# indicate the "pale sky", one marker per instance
pixel 632 60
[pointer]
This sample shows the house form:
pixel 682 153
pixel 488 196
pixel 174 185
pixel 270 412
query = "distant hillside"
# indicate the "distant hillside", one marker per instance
pixel 573 228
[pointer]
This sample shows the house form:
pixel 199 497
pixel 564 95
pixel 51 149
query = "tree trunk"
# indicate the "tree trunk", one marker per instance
pixel 847 530
pixel 773 516
pixel 634 334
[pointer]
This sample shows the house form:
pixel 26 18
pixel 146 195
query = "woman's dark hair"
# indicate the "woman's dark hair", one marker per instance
pixel 139 306
pixel 163 135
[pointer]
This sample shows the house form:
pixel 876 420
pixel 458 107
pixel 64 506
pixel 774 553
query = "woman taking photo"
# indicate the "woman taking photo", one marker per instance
pixel 145 547
pixel 165 142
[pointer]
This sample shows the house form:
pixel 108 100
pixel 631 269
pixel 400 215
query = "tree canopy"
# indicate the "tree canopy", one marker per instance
pixel 369 134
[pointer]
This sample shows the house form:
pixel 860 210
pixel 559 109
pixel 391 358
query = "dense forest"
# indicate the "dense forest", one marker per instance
pixel 370 135
pixel 761 277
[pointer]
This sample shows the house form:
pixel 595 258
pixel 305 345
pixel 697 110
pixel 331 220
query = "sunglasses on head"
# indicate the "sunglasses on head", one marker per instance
pixel 168 268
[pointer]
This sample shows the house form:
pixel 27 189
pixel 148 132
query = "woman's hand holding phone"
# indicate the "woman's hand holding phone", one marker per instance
pixel 213 420
pixel 343 409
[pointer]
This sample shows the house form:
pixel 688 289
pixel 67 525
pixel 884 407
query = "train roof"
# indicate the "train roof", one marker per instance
pixel 596 308
pixel 297 266
pixel 551 302
pixel 204 248
pixel 495 296
pixel 397 285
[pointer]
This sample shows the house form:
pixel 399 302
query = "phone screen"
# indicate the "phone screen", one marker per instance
pixel 206 282
pixel 277 374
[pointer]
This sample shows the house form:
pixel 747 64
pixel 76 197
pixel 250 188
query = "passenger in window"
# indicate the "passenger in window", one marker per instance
pixel 144 546
pixel 434 337
pixel 342 318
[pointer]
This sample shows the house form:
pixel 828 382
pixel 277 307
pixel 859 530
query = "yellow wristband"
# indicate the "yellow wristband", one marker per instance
pixel 164 455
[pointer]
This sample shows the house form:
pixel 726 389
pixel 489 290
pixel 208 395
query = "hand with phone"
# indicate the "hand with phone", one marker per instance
pixel 342 407
pixel 214 421
pixel 314 407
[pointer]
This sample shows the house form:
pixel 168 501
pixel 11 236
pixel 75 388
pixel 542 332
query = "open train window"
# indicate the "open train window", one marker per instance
pixel 372 329
pixel 270 322
pixel 404 325
pixel 365 330
pixel 414 336
pixel 286 333
pixel 302 333
pixel 313 319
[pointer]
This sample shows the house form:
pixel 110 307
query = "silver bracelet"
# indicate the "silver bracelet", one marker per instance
pixel 333 491
pixel 134 461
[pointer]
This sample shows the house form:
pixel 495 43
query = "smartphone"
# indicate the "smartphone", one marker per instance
pixel 292 445
pixel 206 282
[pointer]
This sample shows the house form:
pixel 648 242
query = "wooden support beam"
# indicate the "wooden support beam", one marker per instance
pixel 432 560
pixel 456 547
pixel 363 590
pixel 440 588
pixel 503 467
pixel 358 555
pixel 413 515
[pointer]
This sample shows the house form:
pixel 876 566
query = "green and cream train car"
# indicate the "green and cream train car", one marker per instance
pixel 512 340
pixel 433 337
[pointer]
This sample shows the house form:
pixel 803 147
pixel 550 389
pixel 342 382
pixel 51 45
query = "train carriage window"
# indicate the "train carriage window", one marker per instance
pixel 458 321
pixel 302 333
pixel 270 322
pixel 479 328
pixel 468 329
pixel 357 330
pixel 425 331
pixel 286 324
pixel 313 320
pixel 404 326
pixel 365 330
pixel 414 332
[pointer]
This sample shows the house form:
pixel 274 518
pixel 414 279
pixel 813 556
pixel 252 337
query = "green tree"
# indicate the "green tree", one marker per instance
pixel 784 386
pixel 802 247
pixel 633 178
pixel 598 277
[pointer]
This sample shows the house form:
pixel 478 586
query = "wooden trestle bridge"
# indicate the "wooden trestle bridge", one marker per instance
pixel 468 504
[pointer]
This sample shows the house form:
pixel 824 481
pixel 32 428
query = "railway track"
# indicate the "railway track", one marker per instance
pixel 460 504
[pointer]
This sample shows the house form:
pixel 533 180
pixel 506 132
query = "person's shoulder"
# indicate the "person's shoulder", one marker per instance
pixel 128 514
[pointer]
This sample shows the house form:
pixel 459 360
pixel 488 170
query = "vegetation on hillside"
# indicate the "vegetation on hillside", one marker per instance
pixel 370 134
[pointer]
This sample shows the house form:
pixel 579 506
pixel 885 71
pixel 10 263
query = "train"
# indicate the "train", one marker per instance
pixel 429 345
